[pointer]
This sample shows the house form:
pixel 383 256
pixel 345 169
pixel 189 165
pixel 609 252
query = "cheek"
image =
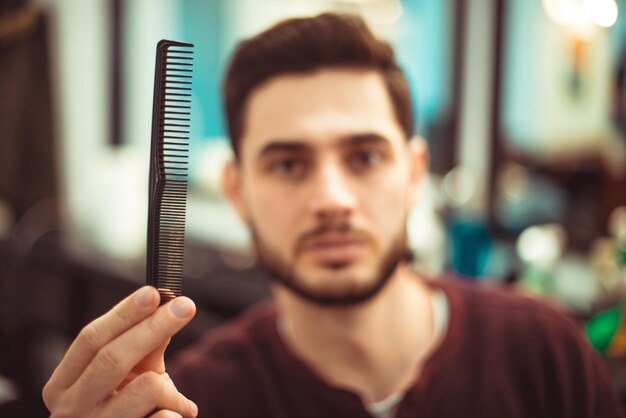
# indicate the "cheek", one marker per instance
pixel 274 215
pixel 389 206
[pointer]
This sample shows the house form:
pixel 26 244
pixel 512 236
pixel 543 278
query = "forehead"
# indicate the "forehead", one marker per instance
pixel 319 107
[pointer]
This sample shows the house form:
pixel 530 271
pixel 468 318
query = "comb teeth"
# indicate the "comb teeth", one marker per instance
pixel 169 167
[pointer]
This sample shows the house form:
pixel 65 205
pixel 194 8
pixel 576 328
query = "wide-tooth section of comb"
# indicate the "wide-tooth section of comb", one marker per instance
pixel 169 167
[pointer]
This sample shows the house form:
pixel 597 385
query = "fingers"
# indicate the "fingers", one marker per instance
pixel 97 334
pixel 148 392
pixel 125 345
pixel 115 361
pixel 153 362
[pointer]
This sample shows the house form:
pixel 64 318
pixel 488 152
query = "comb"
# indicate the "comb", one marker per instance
pixel 169 154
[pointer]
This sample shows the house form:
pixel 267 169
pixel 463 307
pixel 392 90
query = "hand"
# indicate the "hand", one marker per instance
pixel 115 367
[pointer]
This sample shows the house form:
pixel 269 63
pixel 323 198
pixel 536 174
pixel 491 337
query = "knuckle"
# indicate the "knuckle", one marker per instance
pixel 46 395
pixel 90 336
pixel 58 404
pixel 151 384
pixel 65 410
pixel 123 316
pixel 155 327
pixel 144 391
pixel 108 359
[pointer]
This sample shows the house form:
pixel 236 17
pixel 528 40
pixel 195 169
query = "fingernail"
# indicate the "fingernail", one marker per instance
pixel 194 408
pixel 181 307
pixel 145 297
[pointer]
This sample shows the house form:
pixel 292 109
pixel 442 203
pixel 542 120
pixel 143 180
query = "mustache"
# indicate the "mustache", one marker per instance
pixel 344 229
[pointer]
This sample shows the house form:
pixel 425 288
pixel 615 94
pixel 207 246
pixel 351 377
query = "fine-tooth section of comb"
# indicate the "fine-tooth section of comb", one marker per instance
pixel 169 155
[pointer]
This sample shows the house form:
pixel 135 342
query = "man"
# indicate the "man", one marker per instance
pixel 324 176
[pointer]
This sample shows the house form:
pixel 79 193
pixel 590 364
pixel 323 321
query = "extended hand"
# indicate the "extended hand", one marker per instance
pixel 115 366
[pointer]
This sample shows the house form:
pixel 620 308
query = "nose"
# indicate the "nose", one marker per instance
pixel 333 195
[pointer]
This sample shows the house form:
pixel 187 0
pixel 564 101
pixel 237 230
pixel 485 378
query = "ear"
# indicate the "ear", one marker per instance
pixel 233 189
pixel 418 160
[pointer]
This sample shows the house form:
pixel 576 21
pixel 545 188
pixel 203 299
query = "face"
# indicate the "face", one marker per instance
pixel 325 181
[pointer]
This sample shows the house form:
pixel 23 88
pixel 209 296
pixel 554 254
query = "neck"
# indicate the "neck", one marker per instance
pixel 375 348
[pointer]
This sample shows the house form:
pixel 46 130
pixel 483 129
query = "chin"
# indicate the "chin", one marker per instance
pixel 332 279
pixel 337 278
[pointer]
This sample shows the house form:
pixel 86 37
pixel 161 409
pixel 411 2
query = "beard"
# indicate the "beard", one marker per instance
pixel 283 272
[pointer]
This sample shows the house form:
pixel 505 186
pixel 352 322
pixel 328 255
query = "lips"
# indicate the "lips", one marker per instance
pixel 334 248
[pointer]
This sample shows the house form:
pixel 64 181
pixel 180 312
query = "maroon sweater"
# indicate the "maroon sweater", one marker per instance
pixel 504 355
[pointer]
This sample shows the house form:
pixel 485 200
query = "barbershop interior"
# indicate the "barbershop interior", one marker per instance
pixel 522 104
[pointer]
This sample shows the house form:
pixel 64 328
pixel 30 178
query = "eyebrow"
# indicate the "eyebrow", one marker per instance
pixel 367 138
pixel 283 146
pixel 298 146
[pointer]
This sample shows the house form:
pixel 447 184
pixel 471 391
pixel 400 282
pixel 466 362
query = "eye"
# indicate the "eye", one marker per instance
pixel 365 159
pixel 288 167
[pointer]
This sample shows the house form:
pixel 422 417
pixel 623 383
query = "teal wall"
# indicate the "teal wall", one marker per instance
pixel 422 47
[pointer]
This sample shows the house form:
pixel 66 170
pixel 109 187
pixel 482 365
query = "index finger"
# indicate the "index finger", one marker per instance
pixel 115 361
pixel 129 312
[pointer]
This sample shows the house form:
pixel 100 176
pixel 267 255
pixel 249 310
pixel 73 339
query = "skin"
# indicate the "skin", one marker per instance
pixel 325 182
pixel 115 366
pixel 337 159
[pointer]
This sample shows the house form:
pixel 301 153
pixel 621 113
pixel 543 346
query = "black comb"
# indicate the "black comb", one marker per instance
pixel 169 154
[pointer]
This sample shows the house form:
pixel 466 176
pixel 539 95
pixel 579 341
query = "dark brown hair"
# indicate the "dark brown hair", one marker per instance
pixel 302 45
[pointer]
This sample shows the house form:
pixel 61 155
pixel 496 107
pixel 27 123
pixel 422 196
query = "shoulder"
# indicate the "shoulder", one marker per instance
pixel 530 343
pixel 508 308
pixel 516 328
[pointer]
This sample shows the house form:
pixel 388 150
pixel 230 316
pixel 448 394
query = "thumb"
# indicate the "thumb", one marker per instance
pixel 153 362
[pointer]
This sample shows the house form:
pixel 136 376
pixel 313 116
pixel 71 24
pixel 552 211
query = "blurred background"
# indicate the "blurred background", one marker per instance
pixel 522 103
